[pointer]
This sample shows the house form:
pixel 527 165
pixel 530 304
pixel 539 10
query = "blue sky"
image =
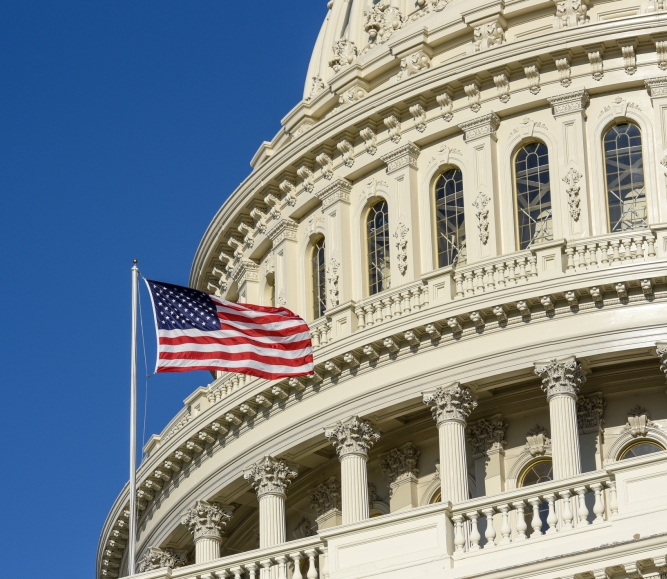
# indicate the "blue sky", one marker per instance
pixel 123 127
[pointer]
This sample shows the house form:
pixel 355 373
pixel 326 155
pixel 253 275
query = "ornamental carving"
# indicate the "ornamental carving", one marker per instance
pixel 344 53
pixel 382 20
pixel 590 411
pixel 206 520
pixel 401 237
pixel 285 229
pixel 561 377
pixel 426 7
pixel 638 422
pixel 488 35
pixel 308 178
pixel 569 103
pixel 661 351
pixel 370 140
pixel 446 105
pixel 413 64
pixel 486 125
pixel 455 403
pixel 326 162
pixel 332 282
pixel 571 13
pixel 339 190
pixel 571 179
pixel 399 462
pixel 487 435
pixel 326 497
pixel 156 558
pixel 656 87
pixel 352 436
pixel 537 440
pixel 270 476
pixel 404 156
pixel 317 87
pixel 482 215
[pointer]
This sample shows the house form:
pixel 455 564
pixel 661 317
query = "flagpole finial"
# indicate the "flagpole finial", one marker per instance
pixel 136 261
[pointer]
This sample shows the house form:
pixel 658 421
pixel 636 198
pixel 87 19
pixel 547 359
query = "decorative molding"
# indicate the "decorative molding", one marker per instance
pixel 590 410
pixel 487 436
pixel 317 87
pixel 656 87
pixel 345 53
pixel 285 229
pixel 571 179
pixel 347 150
pixel 661 351
pixel 245 270
pixel 370 140
pixel 270 476
pixel 527 127
pixel 352 436
pixel 532 72
pixel 404 156
pixel 502 86
pixel 206 520
pixel 326 497
pixel 289 190
pixel 308 178
pixel 332 282
pixel 419 115
pixel 339 190
pixel 537 440
pixel 401 236
pixel 571 13
pixel 453 403
pixel 486 125
pixel 400 462
pixel 326 163
pixel 303 529
pixel 560 377
pixel 564 70
pixel 638 422
pixel 661 50
pixel 446 105
pixel 156 558
pixel 482 215
pixel 382 20
pixel 393 125
pixel 413 64
pixel 489 34
pixel 628 48
pixel 474 96
pixel 572 102
pixel 351 96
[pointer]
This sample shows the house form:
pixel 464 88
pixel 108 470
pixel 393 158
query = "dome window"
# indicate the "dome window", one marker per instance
pixel 318 272
pixel 450 218
pixel 377 237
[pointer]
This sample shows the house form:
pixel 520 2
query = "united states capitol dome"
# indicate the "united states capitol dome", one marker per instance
pixel 469 208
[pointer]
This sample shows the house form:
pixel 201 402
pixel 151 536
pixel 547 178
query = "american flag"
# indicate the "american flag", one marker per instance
pixel 199 331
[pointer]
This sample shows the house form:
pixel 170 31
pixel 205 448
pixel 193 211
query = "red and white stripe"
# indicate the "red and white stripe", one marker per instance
pixel 265 342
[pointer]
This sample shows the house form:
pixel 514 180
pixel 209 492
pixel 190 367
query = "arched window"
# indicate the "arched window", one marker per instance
pixel 640 448
pixel 533 195
pixel 377 236
pixel 536 473
pixel 624 177
pixel 318 275
pixel 450 219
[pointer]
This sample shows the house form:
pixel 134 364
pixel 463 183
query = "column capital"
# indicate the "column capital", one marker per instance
pixel 206 520
pixel 245 270
pixel 571 102
pixel 404 156
pixel 484 126
pixel 400 462
pixel 285 229
pixel 451 404
pixel 156 558
pixel 270 476
pixel 352 436
pixel 656 87
pixel 488 436
pixel 326 497
pixel 560 376
pixel 339 190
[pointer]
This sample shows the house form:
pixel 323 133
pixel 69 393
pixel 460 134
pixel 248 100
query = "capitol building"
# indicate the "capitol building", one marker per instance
pixel 469 208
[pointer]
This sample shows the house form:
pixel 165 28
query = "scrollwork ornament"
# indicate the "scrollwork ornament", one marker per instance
pixel 487 435
pixel 156 558
pixel 352 436
pixel 560 377
pixel 270 476
pixel 454 403
pixel 206 520
pixel 482 215
pixel 400 462
pixel 401 236
pixel 572 179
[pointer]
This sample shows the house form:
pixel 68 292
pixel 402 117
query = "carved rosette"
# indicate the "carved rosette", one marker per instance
pixel 206 520
pixel 352 436
pixel 156 558
pixel 400 462
pixel 590 411
pixel 454 403
pixel 270 476
pixel 561 377
pixel 487 436
pixel 326 497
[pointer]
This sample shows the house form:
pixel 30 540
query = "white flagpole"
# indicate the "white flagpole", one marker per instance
pixel 133 427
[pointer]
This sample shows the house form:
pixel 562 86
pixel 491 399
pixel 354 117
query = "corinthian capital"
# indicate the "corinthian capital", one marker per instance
pixel 454 403
pixel 560 377
pixel 156 558
pixel 326 497
pixel 352 436
pixel 400 462
pixel 206 520
pixel 488 435
pixel 270 476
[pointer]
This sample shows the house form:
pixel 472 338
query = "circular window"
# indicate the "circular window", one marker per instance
pixel 640 448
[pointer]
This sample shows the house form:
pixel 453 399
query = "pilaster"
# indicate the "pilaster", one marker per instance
pixel 561 380
pixel 657 90
pixel 270 478
pixel 352 439
pixel 400 466
pixel 206 521
pixel 451 407
pixel 283 236
pixel 246 276
pixel 405 252
pixel 570 194
pixel 325 500
pixel 487 440
pixel 335 199
pixel 482 203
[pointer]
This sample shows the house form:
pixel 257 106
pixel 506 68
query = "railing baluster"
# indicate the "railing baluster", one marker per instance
pixel 552 519
pixel 475 537
pixel 490 532
pixel 281 560
pixel 521 525
pixel 536 521
pixel 598 507
pixel 459 538
pixel 237 571
pixel 568 516
pixel 361 317
pixel 604 255
pixel 296 557
pixel 505 529
pixel 458 280
pixel 324 563
pixel 312 572
pixel 251 568
pixel 582 510
pixel 265 571
pixel 613 497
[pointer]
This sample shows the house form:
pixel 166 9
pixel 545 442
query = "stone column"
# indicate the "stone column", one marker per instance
pixel 561 380
pixel 352 440
pixel 270 478
pixel 451 407
pixel 206 521
pixel 325 500
pixel 283 236
pixel 400 465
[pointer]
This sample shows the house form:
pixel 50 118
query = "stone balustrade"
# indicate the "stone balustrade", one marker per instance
pixel 320 332
pixel 610 250
pixel 391 304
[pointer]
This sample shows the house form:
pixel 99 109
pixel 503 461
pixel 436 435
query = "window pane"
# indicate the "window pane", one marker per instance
pixel 377 234
pixel 319 279
pixel 450 222
pixel 641 449
pixel 533 195
pixel 624 173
